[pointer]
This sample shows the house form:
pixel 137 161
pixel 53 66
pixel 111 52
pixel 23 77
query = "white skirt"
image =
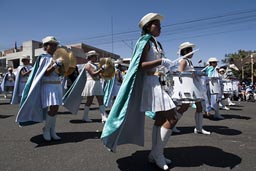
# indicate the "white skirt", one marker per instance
pixel 154 97
pixel 51 94
pixel 92 88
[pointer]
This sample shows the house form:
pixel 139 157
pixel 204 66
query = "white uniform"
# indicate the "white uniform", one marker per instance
pixel 23 79
pixel 154 98
pixel 93 86
pixel 51 89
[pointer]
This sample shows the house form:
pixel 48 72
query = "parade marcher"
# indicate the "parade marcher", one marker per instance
pixel 93 87
pixel 223 95
pixel 7 84
pixel 187 66
pixel 21 79
pixel 112 86
pixel 140 92
pixel 212 73
pixel 43 90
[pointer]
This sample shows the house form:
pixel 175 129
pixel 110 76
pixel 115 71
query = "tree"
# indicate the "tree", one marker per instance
pixel 242 60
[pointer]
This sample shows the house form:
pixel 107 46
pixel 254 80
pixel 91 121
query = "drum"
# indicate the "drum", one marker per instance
pixel 214 85
pixel 227 86
pixel 187 87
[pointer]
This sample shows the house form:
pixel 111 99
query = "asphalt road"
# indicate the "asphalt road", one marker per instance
pixel 231 146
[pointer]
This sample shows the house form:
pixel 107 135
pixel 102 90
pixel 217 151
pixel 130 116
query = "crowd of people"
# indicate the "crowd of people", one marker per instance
pixel 153 84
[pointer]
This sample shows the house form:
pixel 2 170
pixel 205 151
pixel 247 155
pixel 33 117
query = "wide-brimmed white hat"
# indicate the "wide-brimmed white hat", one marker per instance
pixel 212 59
pixel 185 45
pixel 91 53
pixel 50 39
pixel 25 57
pixel 149 17
pixel 222 69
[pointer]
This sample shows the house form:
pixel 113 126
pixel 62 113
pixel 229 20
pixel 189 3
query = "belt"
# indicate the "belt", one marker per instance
pixel 156 73
pixel 51 82
pixel 96 79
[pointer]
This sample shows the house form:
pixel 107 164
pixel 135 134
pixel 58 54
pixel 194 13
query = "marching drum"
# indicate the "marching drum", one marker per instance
pixel 227 86
pixel 187 87
pixel 214 85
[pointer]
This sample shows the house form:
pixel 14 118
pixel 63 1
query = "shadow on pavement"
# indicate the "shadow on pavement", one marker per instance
pixel 227 116
pixel 80 121
pixel 68 137
pixel 223 130
pixel 5 116
pixel 194 156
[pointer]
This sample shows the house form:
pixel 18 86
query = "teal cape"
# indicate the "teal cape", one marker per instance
pixel 72 98
pixel 108 89
pixel 125 123
pixel 31 110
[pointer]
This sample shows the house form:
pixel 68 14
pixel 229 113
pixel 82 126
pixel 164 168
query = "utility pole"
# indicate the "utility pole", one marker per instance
pixel 242 69
pixel 252 63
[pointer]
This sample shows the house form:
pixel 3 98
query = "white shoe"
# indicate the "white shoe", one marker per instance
pixel 201 132
pixel 174 129
pixel 160 161
pixel 226 108
pixel 55 136
pixel 231 104
pixel 103 118
pixel 152 160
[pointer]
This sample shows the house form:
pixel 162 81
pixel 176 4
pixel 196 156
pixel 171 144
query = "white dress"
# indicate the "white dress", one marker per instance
pixel 23 79
pixel 51 89
pixel 93 86
pixel 154 97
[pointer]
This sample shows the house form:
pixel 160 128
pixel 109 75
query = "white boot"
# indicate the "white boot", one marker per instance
pixel 230 103
pixel 163 135
pixel 150 156
pixel 46 129
pixel 103 113
pixel 199 124
pixel 217 114
pixel 53 133
pixel 86 112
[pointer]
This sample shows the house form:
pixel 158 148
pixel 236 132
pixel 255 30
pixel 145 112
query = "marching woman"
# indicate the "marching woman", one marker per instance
pixel 187 66
pixel 141 91
pixel 93 86
pixel 212 73
pixel 21 79
pixel 43 90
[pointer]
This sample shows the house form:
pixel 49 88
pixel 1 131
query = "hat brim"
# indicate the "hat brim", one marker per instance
pixel 147 19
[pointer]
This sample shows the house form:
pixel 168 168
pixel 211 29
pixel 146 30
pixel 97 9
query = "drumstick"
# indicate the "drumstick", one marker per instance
pixel 190 53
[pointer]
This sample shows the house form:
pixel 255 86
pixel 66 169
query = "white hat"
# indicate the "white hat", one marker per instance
pixel 149 17
pixel 222 69
pixel 24 57
pixel 185 45
pixel 213 59
pixel 119 61
pixel 91 53
pixel 50 39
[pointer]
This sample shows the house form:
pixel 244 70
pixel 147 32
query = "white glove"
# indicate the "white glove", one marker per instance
pixel 168 63
pixel 58 63
pixel 103 67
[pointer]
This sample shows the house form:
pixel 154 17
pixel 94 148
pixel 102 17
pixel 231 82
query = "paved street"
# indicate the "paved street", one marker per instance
pixel 230 147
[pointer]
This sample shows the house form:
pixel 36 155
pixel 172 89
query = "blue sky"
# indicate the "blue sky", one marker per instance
pixel 217 27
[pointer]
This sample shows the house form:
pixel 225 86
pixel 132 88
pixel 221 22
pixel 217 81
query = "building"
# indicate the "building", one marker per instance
pixel 12 57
